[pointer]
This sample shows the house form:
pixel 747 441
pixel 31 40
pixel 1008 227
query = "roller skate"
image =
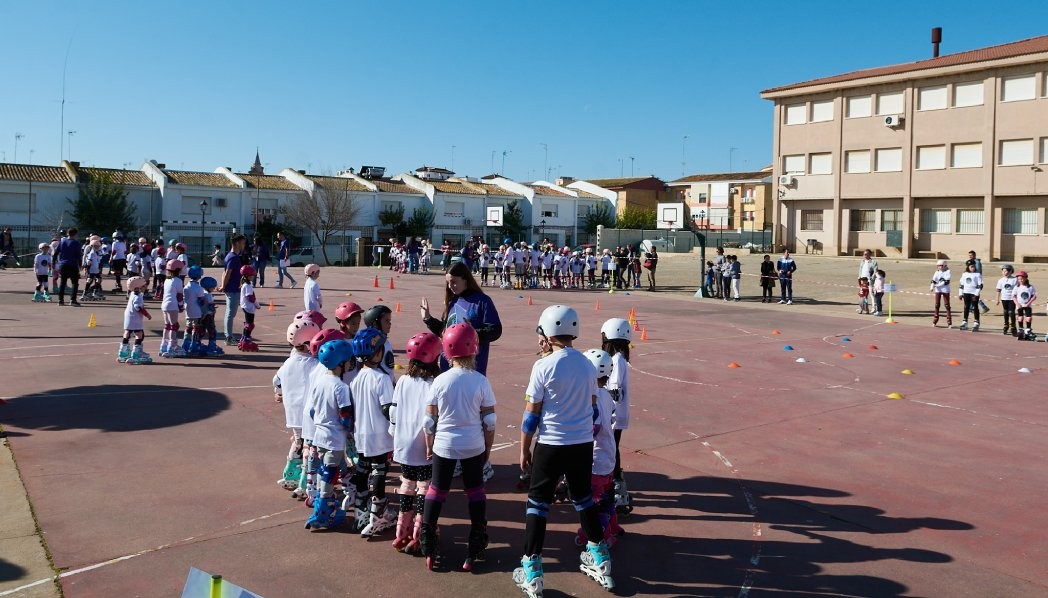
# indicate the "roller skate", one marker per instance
pixel 623 500
pixel 124 353
pixel 247 344
pixel 560 493
pixel 380 519
pixel 292 472
pixel 975 327
pixel 97 295
pixel 213 349
pixel 478 541
pixel 963 326
pixel 197 349
pixel 596 563
pixel 405 522
pixel 139 357
pixel 528 576
pixel 38 297
pixel 414 545
pixel 47 297
pixel 324 512
pixel 489 471
pixel 430 543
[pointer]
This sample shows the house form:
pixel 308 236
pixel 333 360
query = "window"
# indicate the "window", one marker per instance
pixel 890 103
pixel 931 157
pixel 1020 221
pixel 390 206
pixel 811 219
pixel 549 210
pixel 821 164
pixel 968 94
pixel 455 241
pixel 891 219
pixel 935 221
pixel 971 221
pixel 888 159
pixel 864 220
pixel 859 106
pixel 703 198
pixel 1014 89
pixel 966 155
pixel 931 98
pixel 1016 152
pixel 455 209
pixel 821 111
pixel 1044 148
pixel 191 205
pixel 857 161
pixel 793 164
pixel 795 114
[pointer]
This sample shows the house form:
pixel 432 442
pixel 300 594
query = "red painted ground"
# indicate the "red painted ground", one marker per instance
pixel 774 478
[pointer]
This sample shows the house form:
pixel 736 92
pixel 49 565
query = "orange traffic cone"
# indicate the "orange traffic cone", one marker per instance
pixel 376 282
pixel 529 300
pixel 398 307
pixel 271 308
pixel 391 286
pixel 644 333
pixel 597 307
pixel 636 325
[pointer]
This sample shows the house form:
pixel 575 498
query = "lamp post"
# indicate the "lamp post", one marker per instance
pixel 542 228
pixel 203 247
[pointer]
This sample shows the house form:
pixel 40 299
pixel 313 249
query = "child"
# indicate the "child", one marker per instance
pixel 172 304
pixel 970 288
pixel 194 300
pixel 249 303
pixel 459 427
pixel 347 314
pixel 605 260
pixel 380 317
pixel 726 276
pixel 407 417
pixel 423 257
pixel 711 278
pixel 566 380
pixel 878 292
pixel 864 296
pixel 1025 296
pixel 290 384
pixel 160 266
pixel 591 268
pixel 372 392
pixel 736 277
pixel 42 270
pixel 133 314
pixel 578 263
pixel 499 258
pixel 332 416
pixel 312 289
pixel 940 288
pixel 1006 298
pixel 485 263
pixel 133 259
pixel 603 452
pixel 307 489
pixel 616 335
pixel 93 267
pixel 207 316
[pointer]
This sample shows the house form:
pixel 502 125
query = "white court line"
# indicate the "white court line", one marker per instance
pixel 51 346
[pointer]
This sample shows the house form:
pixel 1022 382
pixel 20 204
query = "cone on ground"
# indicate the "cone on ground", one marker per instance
pixel 644 333
pixel 734 365
pixel 895 396
pixel 271 308
pixel 597 306
pixel 397 309
pixel 391 285
pixel 873 347
pixel 92 322
pixel 953 362
pixel 847 355
pixel 530 302
pixel 376 281
pixel 907 372
pixel 636 326
pixel 776 332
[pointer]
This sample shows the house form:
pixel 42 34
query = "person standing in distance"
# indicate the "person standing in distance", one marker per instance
pixel 231 286
pixel 786 267
pixel 67 260
pixel 283 261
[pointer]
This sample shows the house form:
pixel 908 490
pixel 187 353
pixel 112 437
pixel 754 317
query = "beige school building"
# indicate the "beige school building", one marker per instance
pixel 925 159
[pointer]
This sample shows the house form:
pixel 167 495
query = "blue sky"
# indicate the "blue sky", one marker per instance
pixel 326 85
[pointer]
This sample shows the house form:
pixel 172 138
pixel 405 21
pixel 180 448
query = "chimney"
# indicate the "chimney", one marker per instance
pixel 936 40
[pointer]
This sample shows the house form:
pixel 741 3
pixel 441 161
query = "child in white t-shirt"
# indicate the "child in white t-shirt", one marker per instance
pixel 407 416
pixel 604 450
pixel 940 288
pixel 332 413
pixel 616 335
pixel 133 314
pixel 290 385
pixel 1006 297
pixel 42 270
pixel 969 288
pixel 311 291
pixel 1025 296
pixel 93 266
pixel 372 393
pixel 172 304
pixel 160 268
pixel 249 303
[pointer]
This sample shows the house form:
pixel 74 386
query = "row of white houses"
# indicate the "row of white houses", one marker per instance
pixel 205 208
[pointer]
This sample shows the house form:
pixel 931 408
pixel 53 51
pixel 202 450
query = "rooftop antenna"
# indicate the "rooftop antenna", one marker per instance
pixel 936 40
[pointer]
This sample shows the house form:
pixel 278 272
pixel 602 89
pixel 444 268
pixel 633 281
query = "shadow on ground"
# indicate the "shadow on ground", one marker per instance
pixel 10 571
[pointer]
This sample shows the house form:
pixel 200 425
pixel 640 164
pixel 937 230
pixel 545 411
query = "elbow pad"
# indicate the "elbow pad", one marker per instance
pixel 489 419
pixel 530 425
pixel 345 417
pixel 430 424
pixel 388 410
pixel 614 395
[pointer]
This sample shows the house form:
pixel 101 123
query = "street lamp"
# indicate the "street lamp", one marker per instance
pixel 542 228
pixel 203 247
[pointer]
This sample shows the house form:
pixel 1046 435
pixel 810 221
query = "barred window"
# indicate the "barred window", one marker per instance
pixel 864 220
pixel 935 221
pixel 891 219
pixel 1020 221
pixel 811 219
pixel 971 221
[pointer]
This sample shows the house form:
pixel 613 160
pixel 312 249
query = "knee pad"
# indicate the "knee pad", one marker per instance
pixel 476 494
pixel 328 473
pixel 175 326
pixel 436 494
pixel 581 504
pixel 408 487
pixel 539 509
pixel 378 473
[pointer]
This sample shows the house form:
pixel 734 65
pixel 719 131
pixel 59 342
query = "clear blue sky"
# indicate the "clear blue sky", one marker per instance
pixel 325 85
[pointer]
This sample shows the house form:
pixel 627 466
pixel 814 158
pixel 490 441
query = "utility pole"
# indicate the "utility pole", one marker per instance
pixel 683 153
pixel 545 158
pixel 17 137
pixel 504 152
pixel 69 146
pixel 631 165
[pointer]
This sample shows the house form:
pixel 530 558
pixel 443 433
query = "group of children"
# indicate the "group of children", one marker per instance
pixel 1014 293
pixel 523 266
pixel 349 419
pixel 871 291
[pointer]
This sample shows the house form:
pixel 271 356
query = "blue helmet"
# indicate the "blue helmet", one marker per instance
pixel 195 272
pixel 106 240
pixel 208 283
pixel 334 353
pixel 367 342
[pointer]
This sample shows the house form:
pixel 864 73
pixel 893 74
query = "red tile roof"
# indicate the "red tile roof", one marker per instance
pixel 202 179
pixel 338 183
pixel 118 177
pixel 456 187
pixel 268 181
pixel 394 187
pixel 548 191
pixel 1033 45
pixel 37 174
pixel 724 176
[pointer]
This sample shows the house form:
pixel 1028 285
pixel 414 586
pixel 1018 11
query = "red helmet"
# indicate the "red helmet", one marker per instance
pixel 1021 273
pixel 346 310
pixel 247 271
pixel 181 247
pixel 460 340
pixel 424 346
pixel 325 335
pixel 313 315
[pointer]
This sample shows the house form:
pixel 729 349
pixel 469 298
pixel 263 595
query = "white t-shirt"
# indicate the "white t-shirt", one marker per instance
pixel 134 263
pixel 371 389
pixel 941 281
pixel 604 440
pixel 311 294
pixel 133 312
pixel 1006 285
pixel 619 379
pixel 248 301
pixel 1025 295
pixel 41 264
pixel 459 394
pixel 92 261
pixel 292 381
pixel 565 382
pixel 315 374
pixel 329 395
pixel 193 294
pixel 971 283
pixel 409 440
pixel 173 294
pixel 119 250
pixel 159 262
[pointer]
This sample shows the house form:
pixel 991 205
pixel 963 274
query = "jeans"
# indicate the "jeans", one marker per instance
pixel 281 273
pixel 260 266
pixel 232 305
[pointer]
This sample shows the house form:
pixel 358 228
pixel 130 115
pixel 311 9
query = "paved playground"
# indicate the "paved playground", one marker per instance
pixel 817 469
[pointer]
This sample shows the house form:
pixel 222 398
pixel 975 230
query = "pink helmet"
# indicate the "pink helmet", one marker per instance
pixel 311 314
pixel 135 283
pixel 300 332
pixel 248 271
pixel 173 266
pixel 424 346
pixel 325 335
pixel 460 340
pixel 345 310
pixel 311 269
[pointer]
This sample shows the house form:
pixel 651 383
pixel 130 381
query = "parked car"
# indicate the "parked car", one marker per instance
pixel 310 255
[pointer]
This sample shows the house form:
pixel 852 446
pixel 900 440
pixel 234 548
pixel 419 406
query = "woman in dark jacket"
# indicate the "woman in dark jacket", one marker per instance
pixel 768 277
pixel 260 259
pixel 465 302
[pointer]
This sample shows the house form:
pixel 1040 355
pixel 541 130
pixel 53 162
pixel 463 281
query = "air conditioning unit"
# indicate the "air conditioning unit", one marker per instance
pixel 893 120
pixel 786 180
pixel 467 222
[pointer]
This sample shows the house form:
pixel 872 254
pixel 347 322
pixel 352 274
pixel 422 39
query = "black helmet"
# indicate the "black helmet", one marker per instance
pixel 373 315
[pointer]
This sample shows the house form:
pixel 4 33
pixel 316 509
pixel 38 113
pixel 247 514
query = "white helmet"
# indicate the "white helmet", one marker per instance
pixel 940 263
pixel 44 246
pixel 559 320
pixel 300 332
pixel 135 283
pixel 617 328
pixel 600 360
pixel 311 269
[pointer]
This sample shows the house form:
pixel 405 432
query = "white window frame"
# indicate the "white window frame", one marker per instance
pixel 930 157
pixel 795 114
pixel 888 159
pixel 969 93
pixel 793 164
pixel 1044 149
pixel 821 111
pixel 450 212
pixel 966 155
pixel 935 220
pixel 971 222
pixel 857 161
pixel 933 97
pixel 897 99
pixel 1019 88
pixel 1016 152
pixel 859 106
pixel 821 163
pixel 1019 221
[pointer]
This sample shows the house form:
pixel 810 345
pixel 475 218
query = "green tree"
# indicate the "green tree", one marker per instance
pixel 420 223
pixel 512 222
pixel 101 206
pixel 394 218
pixel 325 214
pixel 599 216
pixel 636 218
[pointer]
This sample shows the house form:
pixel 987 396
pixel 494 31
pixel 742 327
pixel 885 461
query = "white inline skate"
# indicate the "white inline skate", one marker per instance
pixel 380 519
pixel 139 357
pixel 528 576
pixel 596 563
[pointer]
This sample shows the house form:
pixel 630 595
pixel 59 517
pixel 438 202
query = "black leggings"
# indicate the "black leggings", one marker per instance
pixel 472 481
pixel 549 463
pixel 1009 313
pixel 971 304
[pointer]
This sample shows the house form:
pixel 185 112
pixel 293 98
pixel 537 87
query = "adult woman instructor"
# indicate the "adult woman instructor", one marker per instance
pixel 465 302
